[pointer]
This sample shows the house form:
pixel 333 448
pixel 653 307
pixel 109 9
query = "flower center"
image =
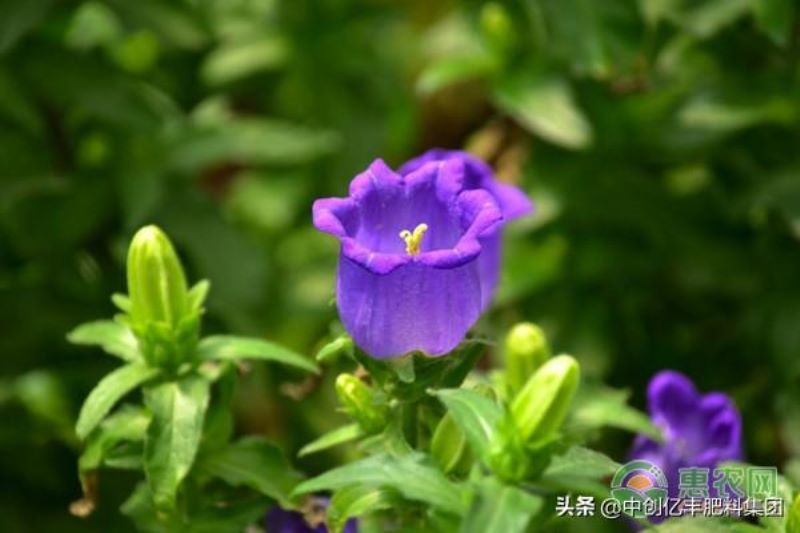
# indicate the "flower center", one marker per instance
pixel 414 238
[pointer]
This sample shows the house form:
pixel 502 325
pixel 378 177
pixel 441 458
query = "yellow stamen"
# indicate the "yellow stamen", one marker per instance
pixel 414 239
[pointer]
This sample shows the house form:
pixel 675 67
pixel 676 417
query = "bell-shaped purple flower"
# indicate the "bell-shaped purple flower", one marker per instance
pixel 409 270
pixel 700 430
pixel 512 201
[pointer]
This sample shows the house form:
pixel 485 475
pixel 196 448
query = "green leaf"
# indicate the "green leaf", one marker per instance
pixel 450 70
pixel 602 406
pixel 231 62
pixel 476 415
pixel 128 424
pixel 544 105
pixel 233 348
pixel 108 392
pixel 255 463
pixel 173 436
pixel 499 507
pixel 113 337
pixel 333 438
pixel 355 501
pixel 412 475
pixel 581 462
pixel 249 141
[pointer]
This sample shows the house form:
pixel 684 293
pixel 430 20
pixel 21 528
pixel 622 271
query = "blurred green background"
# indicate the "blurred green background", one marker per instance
pixel 660 140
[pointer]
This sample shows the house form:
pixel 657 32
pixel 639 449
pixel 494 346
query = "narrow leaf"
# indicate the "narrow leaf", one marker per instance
pixel 111 336
pixel 412 475
pixel 333 438
pixel 108 392
pixel 232 348
pixel 601 406
pixel 173 437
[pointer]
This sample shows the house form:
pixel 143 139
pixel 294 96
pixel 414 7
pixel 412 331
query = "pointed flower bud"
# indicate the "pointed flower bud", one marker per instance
pixel 361 402
pixel 161 310
pixel 156 282
pixel 526 351
pixel 541 406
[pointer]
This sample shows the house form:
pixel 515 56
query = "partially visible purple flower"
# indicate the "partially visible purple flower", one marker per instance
pixel 512 202
pixel 279 520
pixel 409 274
pixel 700 430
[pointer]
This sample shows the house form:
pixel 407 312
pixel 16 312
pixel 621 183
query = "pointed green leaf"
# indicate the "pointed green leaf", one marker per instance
pixel 476 415
pixel 412 475
pixel 255 463
pixel 108 392
pixel 111 336
pixel 333 438
pixel 173 436
pixel 232 348
pixel 602 406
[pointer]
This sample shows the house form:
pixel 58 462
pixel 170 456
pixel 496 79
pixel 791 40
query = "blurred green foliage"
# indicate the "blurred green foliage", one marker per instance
pixel 659 139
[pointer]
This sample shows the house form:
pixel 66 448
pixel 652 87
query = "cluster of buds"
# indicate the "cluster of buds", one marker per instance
pixel 541 389
pixel 160 309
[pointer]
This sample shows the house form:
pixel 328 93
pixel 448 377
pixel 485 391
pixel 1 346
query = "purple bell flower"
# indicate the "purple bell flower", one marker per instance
pixel 410 271
pixel 700 430
pixel 512 202
pixel 279 520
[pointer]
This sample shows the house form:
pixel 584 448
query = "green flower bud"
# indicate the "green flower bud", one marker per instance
pixel 449 447
pixel 541 406
pixel 526 351
pixel 361 402
pixel 161 310
pixel 156 283
pixel 496 25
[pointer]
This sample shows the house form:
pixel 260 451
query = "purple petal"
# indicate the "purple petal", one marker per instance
pixel 415 307
pixel 673 402
pixel 478 175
